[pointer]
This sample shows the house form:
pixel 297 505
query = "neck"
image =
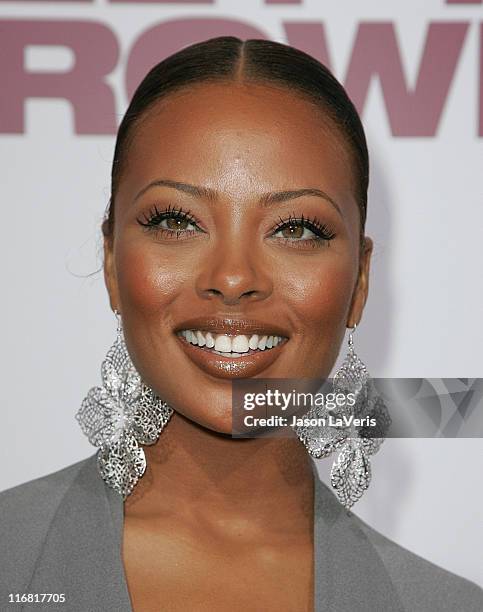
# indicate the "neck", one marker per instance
pixel 264 482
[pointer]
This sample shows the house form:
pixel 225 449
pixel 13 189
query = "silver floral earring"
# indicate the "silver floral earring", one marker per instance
pixel 359 431
pixel 119 416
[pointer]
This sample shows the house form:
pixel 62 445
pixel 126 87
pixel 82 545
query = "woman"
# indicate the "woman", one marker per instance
pixel 234 248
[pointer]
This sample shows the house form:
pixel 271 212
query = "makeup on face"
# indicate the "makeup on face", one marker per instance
pixel 231 348
pixel 236 245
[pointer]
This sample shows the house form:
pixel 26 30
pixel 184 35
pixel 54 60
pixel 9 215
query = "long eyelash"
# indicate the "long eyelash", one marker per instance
pixel 154 217
pixel 316 226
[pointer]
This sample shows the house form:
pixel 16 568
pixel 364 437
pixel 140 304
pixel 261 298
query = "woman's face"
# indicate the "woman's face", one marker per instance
pixel 208 237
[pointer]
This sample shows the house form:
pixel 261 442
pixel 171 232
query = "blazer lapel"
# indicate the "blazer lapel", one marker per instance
pixel 349 573
pixel 81 556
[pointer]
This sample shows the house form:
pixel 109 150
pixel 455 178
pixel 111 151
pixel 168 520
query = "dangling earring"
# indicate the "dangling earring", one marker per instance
pixel 119 416
pixel 351 472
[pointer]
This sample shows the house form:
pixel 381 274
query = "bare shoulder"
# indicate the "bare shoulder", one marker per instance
pixel 421 584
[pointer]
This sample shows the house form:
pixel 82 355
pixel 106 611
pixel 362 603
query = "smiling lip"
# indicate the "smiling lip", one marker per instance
pixel 228 367
pixel 219 366
pixel 232 326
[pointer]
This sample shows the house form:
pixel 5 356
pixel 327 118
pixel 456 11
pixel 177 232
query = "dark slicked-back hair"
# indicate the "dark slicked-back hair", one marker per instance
pixel 230 59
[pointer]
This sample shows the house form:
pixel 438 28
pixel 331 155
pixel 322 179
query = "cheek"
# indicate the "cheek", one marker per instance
pixel 320 294
pixel 147 281
pixel 320 297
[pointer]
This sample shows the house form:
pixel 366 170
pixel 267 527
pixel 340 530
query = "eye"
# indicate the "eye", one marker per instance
pixel 170 222
pixel 310 231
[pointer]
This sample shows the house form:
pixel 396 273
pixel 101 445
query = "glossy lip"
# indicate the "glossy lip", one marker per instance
pixel 231 367
pixel 232 326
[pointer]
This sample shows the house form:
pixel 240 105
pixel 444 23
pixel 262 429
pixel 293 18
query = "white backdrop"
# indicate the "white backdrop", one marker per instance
pixel 423 317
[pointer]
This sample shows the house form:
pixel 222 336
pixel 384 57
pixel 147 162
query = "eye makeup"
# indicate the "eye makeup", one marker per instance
pixel 299 231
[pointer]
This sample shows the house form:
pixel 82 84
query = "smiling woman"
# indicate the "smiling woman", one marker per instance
pixel 225 212
pixel 234 248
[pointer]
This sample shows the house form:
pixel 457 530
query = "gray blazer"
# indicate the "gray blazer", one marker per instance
pixel 62 534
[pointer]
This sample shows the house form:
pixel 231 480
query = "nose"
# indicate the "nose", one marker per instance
pixel 232 274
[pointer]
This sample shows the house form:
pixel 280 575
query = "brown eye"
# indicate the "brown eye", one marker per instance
pixel 170 222
pixel 293 231
pixel 303 231
pixel 176 224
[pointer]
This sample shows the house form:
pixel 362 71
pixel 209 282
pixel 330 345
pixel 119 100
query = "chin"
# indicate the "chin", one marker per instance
pixel 218 424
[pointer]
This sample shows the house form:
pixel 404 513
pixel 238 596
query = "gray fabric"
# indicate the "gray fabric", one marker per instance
pixel 62 534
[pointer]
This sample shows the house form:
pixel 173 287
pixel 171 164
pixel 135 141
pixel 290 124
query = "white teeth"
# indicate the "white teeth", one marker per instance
pixel 253 342
pixel 223 344
pixel 239 344
pixel 232 346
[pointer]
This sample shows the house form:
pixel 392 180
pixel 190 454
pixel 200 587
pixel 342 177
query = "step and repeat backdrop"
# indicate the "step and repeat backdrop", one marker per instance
pixel 415 72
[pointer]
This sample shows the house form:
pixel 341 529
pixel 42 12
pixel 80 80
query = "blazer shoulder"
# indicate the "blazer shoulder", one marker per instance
pixel 26 512
pixel 423 585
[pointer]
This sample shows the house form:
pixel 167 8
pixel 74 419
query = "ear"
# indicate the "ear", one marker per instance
pixel 110 277
pixel 361 290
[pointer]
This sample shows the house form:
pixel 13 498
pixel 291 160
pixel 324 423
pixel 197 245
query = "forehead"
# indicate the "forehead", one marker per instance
pixel 239 138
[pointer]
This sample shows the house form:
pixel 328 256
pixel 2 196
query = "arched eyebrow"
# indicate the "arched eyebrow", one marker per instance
pixel 266 200
pixel 269 199
pixel 196 191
